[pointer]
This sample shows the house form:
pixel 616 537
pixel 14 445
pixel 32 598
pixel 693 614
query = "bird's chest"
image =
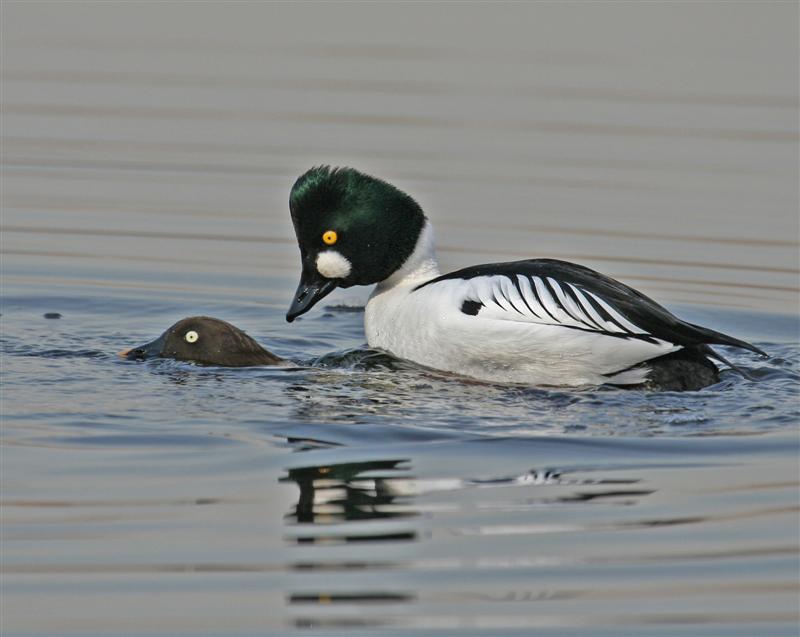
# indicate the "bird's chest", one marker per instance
pixel 402 322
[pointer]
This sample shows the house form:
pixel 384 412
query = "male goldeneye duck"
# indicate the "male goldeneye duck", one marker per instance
pixel 538 321
pixel 205 340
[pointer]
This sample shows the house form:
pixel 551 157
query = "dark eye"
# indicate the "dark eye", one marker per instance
pixel 191 336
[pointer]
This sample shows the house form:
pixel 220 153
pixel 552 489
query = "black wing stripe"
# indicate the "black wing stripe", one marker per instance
pixel 508 300
pixel 563 301
pixel 564 304
pixel 515 281
pixel 621 321
pixel 588 308
pixel 497 302
pixel 606 316
pixel 502 299
pixel 571 302
pixel 539 300
pixel 530 296
pixel 569 290
pixel 505 285
pixel 623 335
pixel 618 317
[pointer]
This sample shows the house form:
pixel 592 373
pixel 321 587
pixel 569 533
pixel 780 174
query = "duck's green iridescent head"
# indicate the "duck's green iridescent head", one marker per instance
pixel 352 229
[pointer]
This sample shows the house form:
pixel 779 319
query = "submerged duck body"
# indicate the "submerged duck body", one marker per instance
pixel 538 321
pixel 207 341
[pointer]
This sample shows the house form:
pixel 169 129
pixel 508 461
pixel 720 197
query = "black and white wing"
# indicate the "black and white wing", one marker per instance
pixel 562 294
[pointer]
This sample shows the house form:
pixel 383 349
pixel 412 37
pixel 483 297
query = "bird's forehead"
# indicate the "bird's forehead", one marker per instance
pixel 340 219
pixel 181 327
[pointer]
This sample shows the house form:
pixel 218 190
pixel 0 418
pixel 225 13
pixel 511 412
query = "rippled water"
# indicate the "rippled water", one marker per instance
pixel 352 491
pixel 147 155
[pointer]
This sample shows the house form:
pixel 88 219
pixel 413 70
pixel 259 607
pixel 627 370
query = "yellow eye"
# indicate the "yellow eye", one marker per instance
pixel 330 237
pixel 191 336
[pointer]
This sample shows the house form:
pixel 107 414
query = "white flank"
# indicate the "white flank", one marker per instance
pixel 333 265
pixel 525 337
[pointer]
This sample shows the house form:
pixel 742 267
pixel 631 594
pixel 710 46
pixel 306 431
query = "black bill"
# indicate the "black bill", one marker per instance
pixel 151 350
pixel 313 287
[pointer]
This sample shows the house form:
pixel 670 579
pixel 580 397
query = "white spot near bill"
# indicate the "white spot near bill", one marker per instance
pixel 333 265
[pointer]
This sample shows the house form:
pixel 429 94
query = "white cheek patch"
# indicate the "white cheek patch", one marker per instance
pixel 332 265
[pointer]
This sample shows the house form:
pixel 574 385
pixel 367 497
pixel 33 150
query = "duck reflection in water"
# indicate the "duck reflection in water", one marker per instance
pixel 352 492
pixel 349 492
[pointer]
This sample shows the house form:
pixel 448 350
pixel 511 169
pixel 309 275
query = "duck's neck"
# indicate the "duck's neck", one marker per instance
pixel 421 266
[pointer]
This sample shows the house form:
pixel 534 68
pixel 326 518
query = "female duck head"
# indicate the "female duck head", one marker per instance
pixel 352 229
pixel 205 340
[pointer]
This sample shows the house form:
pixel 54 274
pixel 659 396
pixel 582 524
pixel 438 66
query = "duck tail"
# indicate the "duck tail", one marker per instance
pixel 707 351
pixel 718 338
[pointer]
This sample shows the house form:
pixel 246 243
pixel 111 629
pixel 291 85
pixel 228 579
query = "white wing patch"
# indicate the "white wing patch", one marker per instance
pixel 546 301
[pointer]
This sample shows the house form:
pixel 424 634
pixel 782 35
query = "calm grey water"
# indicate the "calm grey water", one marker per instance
pixel 147 155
